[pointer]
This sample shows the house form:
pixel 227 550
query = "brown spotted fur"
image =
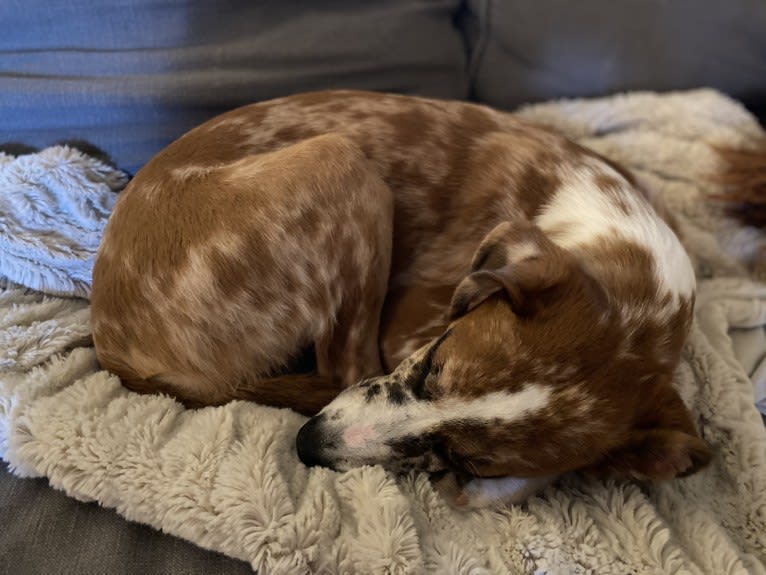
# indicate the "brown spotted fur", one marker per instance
pixel 342 223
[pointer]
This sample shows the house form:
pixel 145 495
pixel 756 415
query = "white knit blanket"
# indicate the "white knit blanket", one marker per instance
pixel 228 478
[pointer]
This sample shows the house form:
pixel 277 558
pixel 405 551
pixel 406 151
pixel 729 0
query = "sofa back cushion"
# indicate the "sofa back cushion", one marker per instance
pixel 132 75
pixel 530 51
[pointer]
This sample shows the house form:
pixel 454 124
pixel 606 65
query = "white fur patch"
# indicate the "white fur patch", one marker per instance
pixel 500 405
pixel 480 492
pixel 190 171
pixel 380 421
pixel 522 251
pixel 583 214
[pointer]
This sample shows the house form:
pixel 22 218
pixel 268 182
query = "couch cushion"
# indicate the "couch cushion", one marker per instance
pixel 531 51
pixel 44 531
pixel 131 75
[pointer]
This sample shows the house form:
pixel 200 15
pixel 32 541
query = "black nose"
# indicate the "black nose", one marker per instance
pixel 309 443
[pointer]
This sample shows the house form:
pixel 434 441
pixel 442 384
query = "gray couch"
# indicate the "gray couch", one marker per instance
pixel 130 76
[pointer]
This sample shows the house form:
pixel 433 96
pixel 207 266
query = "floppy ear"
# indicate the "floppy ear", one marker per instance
pixel 516 260
pixel 665 445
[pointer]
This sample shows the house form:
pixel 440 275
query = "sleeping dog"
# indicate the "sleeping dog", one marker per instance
pixel 474 293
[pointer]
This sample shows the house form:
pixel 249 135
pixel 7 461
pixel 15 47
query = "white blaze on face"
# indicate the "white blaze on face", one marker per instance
pixel 498 406
pixel 367 423
pixel 368 428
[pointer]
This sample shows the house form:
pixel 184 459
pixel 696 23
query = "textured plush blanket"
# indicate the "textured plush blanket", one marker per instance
pixel 53 209
pixel 228 478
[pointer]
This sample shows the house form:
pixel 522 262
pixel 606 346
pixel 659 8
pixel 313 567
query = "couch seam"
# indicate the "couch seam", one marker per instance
pixel 483 12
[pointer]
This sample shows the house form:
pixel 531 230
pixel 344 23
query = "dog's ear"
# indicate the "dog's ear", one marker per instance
pixel 518 261
pixel 662 445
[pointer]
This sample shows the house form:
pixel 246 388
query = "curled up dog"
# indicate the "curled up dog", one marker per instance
pixel 441 286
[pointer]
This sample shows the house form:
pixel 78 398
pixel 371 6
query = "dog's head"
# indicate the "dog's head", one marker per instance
pixel 537 374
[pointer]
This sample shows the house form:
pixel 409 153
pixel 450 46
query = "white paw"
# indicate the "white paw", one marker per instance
pixel 482 492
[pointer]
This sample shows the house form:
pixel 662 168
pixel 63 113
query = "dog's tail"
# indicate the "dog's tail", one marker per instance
pixel 743 178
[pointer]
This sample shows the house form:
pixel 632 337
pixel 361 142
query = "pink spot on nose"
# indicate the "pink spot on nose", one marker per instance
pixel 358 435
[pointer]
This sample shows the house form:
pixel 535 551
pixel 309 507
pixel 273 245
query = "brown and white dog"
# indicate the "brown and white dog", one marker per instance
pixel 482 295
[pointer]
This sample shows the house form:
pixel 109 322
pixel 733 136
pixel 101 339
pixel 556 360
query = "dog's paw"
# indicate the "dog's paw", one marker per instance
pixel 448 487
pixel 479 493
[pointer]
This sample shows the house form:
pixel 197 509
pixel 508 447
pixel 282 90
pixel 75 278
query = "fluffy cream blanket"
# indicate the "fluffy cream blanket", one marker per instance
pixel 228 478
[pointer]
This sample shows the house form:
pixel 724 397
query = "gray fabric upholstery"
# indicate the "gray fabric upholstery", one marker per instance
pixel 44 531
pixel 132 76
pixel 531 51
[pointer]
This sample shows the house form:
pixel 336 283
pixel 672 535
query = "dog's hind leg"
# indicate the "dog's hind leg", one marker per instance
pixel 350 350
pixel 266 256
pixel 347 232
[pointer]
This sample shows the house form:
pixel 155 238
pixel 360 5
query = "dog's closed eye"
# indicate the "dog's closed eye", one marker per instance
pixel 425 388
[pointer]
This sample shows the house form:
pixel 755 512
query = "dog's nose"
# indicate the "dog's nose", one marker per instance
pixel 309 443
